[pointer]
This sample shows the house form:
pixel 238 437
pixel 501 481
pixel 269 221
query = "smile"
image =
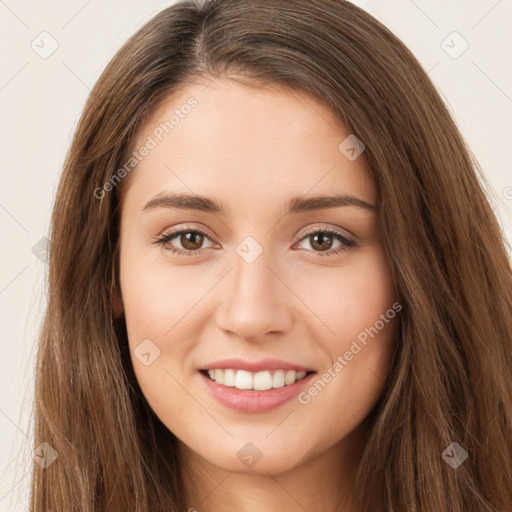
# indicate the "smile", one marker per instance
pixel 248 398
pixel 259 381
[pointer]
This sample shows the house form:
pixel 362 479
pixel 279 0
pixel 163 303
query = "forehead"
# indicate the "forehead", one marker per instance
pixel 238 142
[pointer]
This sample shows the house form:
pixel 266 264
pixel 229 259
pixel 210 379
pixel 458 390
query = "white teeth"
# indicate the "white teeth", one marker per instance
pixel 290 377
pixel 259 381
pixel 262 381
pixel 243 379
pixel 278 379
pixel 229 378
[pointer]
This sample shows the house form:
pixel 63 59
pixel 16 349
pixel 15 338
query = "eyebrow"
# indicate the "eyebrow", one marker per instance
pixel 295 205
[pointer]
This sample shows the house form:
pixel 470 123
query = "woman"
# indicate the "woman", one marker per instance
pixel 276 282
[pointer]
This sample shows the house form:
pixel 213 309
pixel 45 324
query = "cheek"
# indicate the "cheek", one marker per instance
pixel 154 307
pixel 155 297
pixel 342 395
pixel 352 298
pixel 160 308
pixel 357 305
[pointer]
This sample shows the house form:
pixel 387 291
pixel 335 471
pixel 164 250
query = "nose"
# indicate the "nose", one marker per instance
pixel 255 299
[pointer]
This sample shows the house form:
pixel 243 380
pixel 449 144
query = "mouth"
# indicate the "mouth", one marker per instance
pixel 254 392
pixel 255 381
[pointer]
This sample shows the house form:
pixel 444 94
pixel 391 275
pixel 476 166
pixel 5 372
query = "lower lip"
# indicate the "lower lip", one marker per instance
pixel 251 401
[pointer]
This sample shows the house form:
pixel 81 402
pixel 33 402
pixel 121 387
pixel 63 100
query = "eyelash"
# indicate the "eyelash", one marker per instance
pixel 348 244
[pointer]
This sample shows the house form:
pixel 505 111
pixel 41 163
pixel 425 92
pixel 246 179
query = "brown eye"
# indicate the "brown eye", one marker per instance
pixel 191 240
pixel 185 242
pixel 321 241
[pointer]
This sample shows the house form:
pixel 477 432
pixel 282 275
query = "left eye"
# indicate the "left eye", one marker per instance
pixel 191 242
pixel 322 240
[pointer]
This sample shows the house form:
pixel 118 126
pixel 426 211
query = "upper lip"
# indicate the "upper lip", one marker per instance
pixel 254 366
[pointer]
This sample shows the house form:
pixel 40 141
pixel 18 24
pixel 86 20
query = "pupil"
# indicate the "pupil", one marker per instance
pixel 320 245
pixel 190 238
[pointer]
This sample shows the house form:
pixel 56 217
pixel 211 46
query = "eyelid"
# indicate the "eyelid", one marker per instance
pixel 186 227
pixel 300 234
pixel 173 232
pixel 320 227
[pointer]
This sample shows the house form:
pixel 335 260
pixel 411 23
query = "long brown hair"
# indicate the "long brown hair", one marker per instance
pixel 450 379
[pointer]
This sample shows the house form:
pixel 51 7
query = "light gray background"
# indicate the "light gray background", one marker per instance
pixel 41 100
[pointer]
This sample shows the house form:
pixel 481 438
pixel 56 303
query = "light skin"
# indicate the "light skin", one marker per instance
pixel 253 150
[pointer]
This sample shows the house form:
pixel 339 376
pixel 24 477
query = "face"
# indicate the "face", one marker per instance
pixel 227 252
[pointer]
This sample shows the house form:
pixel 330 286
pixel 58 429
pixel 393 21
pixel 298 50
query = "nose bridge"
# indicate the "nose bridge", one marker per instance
pixel 252 281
